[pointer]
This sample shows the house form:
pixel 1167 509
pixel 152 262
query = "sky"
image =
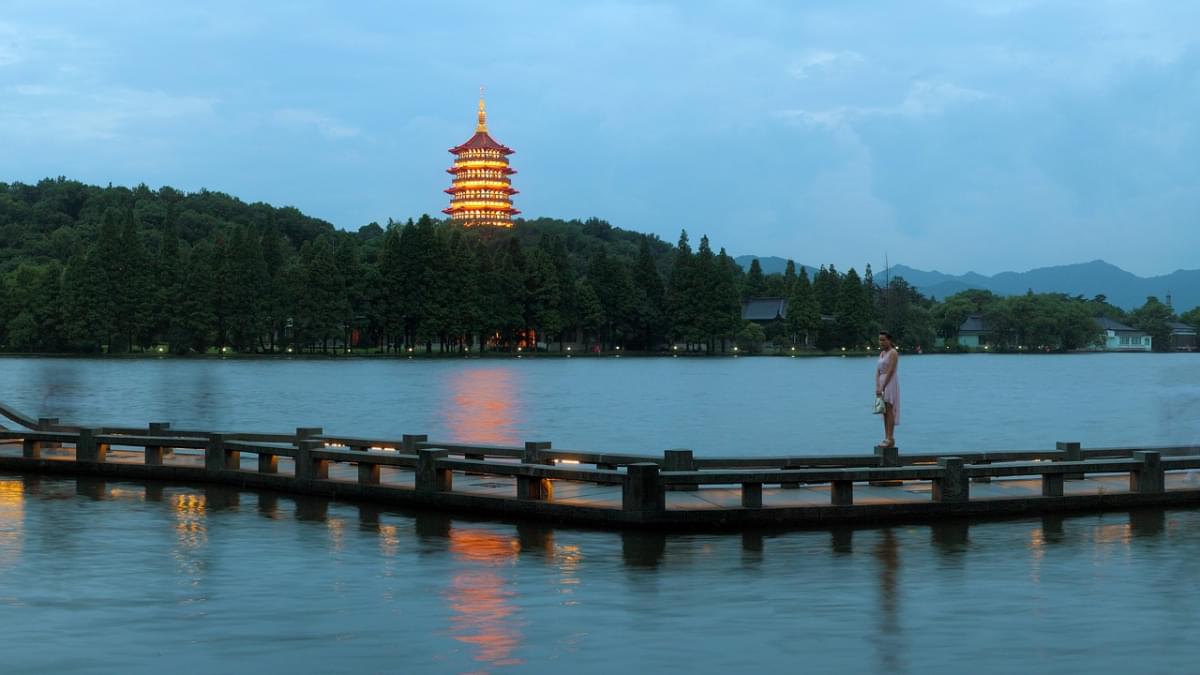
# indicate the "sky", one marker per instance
pixel 957 135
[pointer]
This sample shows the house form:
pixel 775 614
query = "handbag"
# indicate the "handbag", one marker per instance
pixel 880 407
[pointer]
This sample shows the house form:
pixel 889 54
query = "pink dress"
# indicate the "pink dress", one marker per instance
pixel 891 393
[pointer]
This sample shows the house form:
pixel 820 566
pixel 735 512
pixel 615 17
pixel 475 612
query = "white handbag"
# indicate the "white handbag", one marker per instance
pixel 880 407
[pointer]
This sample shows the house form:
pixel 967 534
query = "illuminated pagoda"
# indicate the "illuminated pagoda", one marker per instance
pixel 481 192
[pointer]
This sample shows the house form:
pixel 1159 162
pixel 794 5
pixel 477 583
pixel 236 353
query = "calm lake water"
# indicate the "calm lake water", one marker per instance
pixel 100 577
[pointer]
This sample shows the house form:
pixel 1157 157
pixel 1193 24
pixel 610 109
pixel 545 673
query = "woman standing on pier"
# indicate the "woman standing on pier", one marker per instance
pixel 887 386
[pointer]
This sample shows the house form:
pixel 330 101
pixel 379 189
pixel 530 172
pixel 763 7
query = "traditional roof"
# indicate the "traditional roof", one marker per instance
pixel 974 324
pixel 1116 326
pixel 481 141
pixel 1181 328
pixel 764 309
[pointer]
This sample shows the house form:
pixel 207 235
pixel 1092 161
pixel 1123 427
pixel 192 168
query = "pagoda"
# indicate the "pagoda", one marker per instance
pixel 481 192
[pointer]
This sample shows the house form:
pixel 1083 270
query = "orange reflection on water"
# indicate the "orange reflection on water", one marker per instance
pixel 482 407
pixel 480 598
pixel 189 520
pixel 12 521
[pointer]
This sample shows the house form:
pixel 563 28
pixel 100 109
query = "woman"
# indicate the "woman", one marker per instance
pixel 887 386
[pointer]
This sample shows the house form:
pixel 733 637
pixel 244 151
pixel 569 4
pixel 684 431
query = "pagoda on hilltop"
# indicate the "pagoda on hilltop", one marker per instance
pixel 481 192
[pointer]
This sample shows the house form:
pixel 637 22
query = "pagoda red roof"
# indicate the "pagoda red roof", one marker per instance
pixel 481 141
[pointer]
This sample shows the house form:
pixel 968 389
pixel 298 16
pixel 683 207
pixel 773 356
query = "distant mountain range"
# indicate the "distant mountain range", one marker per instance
pixel 1124 289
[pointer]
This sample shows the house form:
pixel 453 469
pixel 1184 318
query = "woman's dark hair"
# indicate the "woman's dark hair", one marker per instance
pixel 887 335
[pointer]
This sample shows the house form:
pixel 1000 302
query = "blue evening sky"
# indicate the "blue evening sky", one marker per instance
pixel 960 135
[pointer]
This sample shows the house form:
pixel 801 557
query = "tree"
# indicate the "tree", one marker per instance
pixel 1191 317
pixel 649 298
pixel 756 285
pixel 683 304
pixel 1153 317
pixel 750 338
pixel 804 315
pixel 852 315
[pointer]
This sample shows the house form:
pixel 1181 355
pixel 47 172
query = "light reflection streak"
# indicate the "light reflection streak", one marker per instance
pixel 337 533
pixel 482 407
pixel 12 522
pixel 480 597
pixel 192 533
pixel 567 558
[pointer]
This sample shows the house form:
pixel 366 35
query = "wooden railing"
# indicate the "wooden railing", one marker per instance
pixel 644 479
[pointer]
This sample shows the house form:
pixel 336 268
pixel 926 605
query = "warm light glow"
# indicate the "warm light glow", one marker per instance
pixel 482 409
pixel 480 596
pixel 12 522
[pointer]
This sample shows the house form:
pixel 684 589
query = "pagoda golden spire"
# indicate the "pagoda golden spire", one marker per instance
pixel 482 126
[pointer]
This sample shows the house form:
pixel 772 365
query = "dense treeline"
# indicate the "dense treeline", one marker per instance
pixel 90 269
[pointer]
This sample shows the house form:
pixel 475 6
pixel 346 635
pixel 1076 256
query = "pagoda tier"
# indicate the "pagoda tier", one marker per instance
pixel 481 191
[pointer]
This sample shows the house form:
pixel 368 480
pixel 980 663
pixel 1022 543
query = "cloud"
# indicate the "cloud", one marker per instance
pixel 303 120
pixel 39 111
pixel 823 61
pixel 924 98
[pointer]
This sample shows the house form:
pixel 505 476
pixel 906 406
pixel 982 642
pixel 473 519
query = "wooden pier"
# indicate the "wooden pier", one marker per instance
pixel 676 490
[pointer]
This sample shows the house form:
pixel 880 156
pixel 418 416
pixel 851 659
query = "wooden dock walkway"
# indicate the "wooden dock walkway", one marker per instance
pixel 674 491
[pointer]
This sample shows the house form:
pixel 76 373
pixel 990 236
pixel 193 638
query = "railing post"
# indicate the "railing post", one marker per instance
pixel 1052 485
pixel 1149 479
pixel 981 479
pixel 215 456
pixel 87 449
pixel 1071 452
pixel 409 442
pixel 642 491
pixel 268 463
pixel 953 486
pixel 751 495
pixel 48 424
pixel 368 474
pixel 431 478
pixel 532 487
pixel 304 433
pixel 154 453
pixel 841 493
pixel 889 455
pixel 791 484
pixel 308 468
pixel 680 459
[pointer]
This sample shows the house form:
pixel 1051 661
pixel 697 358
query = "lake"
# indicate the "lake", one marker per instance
pixel 102 577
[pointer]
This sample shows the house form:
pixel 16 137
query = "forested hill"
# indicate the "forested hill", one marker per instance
pixel 87 268
pixel 57 218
